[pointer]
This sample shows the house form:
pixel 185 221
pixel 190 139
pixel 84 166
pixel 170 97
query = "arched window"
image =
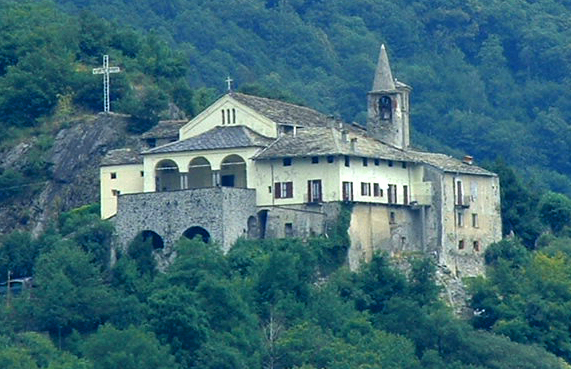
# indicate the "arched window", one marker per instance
pixel 385 107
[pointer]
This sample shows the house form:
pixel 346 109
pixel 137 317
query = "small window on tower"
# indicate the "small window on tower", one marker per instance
pixel 385 107
pixel 113 175
pixel 331 159
pixel 287 162
pixel 314 159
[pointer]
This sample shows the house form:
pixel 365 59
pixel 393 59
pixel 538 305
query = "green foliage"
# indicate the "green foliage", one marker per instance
pixel 132 348
pixel 70 291
pixel 555 210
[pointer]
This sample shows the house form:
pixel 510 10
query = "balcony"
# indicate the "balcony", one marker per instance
pixel 463 201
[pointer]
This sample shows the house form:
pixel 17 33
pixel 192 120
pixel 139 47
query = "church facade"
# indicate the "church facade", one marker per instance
pixel 254 167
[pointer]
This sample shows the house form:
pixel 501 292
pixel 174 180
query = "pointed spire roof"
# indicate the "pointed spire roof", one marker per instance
pixel 383 76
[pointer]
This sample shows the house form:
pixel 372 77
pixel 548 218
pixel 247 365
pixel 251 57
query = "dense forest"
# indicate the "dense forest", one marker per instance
pixel 272 304
pixel 490 79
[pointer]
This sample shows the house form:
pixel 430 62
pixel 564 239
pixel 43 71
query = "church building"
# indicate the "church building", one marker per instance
pixel 254 167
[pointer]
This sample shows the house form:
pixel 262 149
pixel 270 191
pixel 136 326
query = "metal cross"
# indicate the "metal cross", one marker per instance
pixel 106 70
pixel 229 82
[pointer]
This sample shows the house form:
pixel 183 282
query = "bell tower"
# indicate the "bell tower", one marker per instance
pixel 388 107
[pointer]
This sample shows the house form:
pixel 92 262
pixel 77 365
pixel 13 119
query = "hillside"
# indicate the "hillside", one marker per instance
pixel 490 79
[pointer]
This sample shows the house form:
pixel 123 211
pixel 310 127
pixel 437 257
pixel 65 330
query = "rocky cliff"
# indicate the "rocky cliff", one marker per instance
pixel 73 180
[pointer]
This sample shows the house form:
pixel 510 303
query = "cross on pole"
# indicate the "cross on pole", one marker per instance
pixel 229 82
pixel 106 70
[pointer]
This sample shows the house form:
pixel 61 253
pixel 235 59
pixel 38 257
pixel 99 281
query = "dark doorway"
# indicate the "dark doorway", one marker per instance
pixel 262 220
pixel 193 232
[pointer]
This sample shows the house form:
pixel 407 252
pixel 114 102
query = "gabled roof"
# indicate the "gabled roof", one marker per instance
pixel 448 163
pixel 121 157
pixel 315 141
pixel 165 129
pixel 282 112
pixel 321 141
pixel 216 138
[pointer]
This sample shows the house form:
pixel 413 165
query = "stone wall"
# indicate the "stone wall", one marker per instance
pixel 222 211
pixel 373 229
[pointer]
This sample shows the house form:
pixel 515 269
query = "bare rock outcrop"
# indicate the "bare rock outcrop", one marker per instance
pixel 74 157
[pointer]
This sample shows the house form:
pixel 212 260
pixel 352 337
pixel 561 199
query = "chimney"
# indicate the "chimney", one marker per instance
pixel 354 144
pixel 468 160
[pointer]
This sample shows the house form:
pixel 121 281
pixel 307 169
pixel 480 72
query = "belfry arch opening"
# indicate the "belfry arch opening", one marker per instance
pixel 233 172
pixel 199 173
pixel 167 176
pixel 199 232
pixel 385 108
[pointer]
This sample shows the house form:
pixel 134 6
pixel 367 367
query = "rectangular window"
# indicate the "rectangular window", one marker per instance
pixel 314 159
pixel 390 163
pixel 461 245
pixel 460 219
pixel 223 117
pixel 347 191
pixel 392 218
pixel 142 174
pixel 392 193
pixel 475 220
pixel 377 162
pixel 113 175
pixel 405 194
pixel 347 161
pixel 376 190
pixel 365 162
pixel 403 165
pixel 116 192
pixel 288 230
pixel 459 193
pixel 476 245
pixel 365 189
pixel 233 115
pixel 314 191
pixel 331 159
pixel 287 162
pixel 283 190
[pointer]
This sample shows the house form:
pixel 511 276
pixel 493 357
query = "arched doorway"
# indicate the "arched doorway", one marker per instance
pixel 233 172
pixel 167 176
pixel 199 173
pixel 193 232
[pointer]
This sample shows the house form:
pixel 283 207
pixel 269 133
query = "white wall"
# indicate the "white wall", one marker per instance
pixel 127 180
pixel 212 117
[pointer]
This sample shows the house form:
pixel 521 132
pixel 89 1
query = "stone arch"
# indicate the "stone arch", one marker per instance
pixel 253 229
pixel 199 173
pixel 194 231
pixel 167 176
pixel 156 240
pixel 233 171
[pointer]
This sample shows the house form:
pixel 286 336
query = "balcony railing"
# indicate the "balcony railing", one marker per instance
pixel 463 201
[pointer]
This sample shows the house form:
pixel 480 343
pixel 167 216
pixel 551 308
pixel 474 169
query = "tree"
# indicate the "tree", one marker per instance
pixel 555 210
pixel 132 348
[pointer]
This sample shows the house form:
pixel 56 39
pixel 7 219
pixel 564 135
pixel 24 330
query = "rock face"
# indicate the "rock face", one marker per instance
pixel 74 157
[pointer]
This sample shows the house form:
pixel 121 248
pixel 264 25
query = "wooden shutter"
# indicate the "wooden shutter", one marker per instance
pixel 289 189
pixel 277 190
